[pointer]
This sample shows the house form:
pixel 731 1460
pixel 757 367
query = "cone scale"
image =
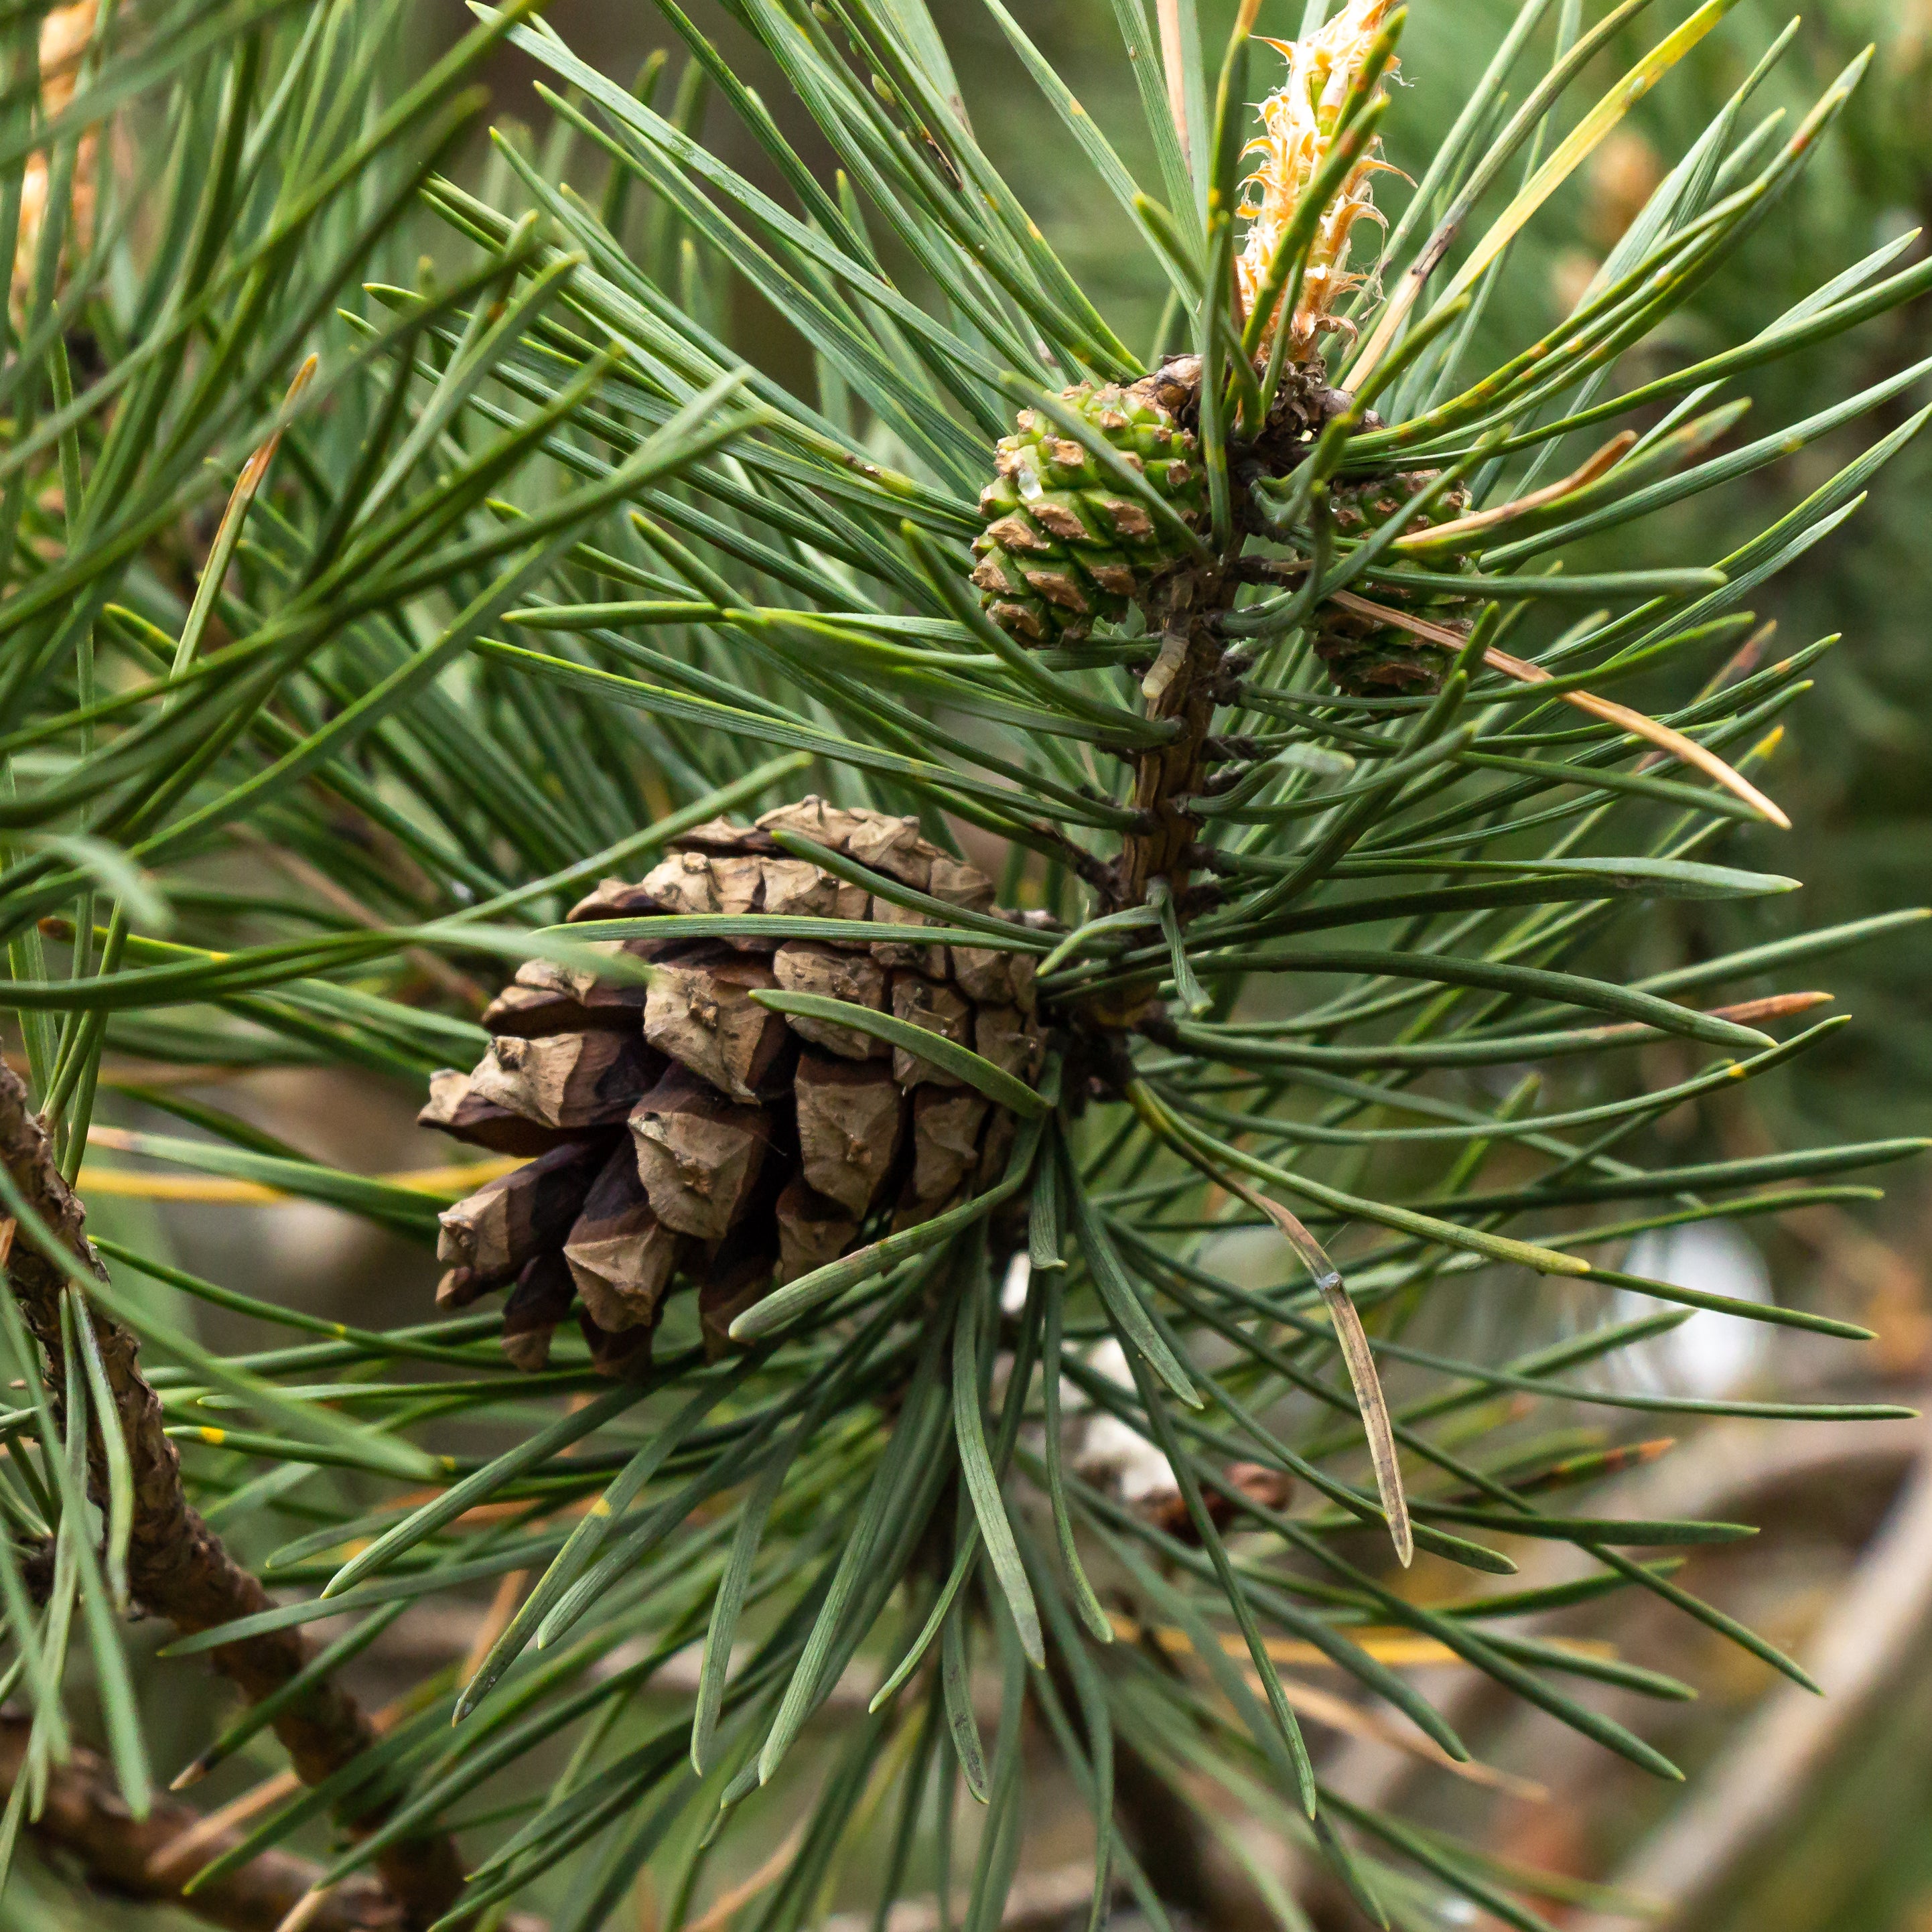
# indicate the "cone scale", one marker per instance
pixel 686 1133
pixel 1064 545
pixel 1366 657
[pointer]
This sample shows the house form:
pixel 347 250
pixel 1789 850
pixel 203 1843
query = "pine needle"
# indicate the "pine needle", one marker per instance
pixel 1675 744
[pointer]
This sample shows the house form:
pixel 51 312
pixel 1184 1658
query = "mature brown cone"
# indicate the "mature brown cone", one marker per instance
pixel 684 1130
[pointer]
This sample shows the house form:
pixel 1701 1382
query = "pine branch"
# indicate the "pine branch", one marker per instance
pixel 177 1567
pixel 85 1818
pixel 508 624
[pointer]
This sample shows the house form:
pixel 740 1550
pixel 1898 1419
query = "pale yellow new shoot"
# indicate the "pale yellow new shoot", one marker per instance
pixel 1299 122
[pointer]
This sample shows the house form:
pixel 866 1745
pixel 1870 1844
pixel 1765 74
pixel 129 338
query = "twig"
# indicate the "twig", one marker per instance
pixel 84 1817
pixel 1774 1773
pixel 177 1566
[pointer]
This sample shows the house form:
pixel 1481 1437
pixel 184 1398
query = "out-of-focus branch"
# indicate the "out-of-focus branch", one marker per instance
pixel 1745 1805
pixel 1039 1902
pixel 313 879
pixel 85 1819
pixel 177 1566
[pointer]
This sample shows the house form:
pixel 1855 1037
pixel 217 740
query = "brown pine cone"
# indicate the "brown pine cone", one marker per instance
pixel 682 1132
pixel 1272 1489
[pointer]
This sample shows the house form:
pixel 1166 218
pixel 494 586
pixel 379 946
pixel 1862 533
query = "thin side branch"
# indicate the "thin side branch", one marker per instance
pixel 177 1566
pixel 85 1818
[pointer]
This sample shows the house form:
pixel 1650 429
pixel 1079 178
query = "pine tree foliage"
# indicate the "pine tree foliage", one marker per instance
pixel 361 613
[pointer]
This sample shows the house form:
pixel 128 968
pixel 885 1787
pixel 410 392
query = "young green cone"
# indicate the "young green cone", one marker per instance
pixel 1064 545
pixel 1368 657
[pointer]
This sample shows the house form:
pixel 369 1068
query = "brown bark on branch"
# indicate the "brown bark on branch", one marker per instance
pixel 177 1567
pixel 1181 687
pixel 85 1819
pixel 1183 683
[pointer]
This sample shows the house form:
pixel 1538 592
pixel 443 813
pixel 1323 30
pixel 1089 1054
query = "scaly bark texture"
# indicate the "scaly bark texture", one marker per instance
pixel 128 1857
pixel 1187 681
pixel 1172 772
pixel 177 1566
